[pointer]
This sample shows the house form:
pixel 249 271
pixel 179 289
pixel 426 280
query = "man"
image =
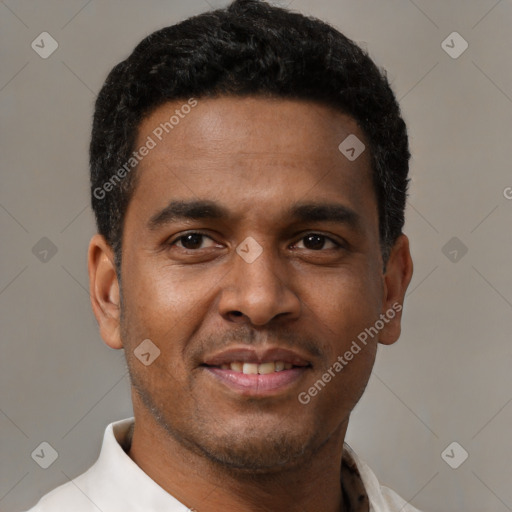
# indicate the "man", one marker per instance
pixel 249 176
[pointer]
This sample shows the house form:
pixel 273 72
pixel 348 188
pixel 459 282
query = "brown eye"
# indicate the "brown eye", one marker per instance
pixel 316 242
pixel 190 241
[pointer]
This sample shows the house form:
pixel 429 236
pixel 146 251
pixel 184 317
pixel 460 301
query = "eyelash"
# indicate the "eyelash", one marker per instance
pixel 172 242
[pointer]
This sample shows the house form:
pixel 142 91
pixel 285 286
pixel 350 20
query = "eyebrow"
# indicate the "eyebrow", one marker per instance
pixel 325 212
pixel 186 210
pixel 177 211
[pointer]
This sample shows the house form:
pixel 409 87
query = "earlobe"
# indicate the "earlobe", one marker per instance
pixel 104 290
pixel 398 275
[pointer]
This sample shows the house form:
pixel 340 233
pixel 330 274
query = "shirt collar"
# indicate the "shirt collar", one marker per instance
pixel 354 492
pixel 117 477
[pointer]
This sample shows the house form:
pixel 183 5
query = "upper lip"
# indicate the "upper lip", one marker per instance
pixel 256 355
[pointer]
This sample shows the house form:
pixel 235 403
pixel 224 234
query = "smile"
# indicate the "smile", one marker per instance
pixel 257 369
pixel 257 372
pixel 258 384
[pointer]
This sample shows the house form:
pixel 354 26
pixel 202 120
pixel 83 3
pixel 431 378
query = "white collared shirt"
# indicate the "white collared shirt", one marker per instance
pixel 114 483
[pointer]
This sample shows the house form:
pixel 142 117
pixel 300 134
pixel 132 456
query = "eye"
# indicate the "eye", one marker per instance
pixel 316 242
pixel 192 241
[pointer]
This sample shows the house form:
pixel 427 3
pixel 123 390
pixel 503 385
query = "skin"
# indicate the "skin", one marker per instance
pixel 209 446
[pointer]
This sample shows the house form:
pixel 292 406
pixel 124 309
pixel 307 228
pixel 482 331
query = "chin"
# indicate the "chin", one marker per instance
pixel 257 450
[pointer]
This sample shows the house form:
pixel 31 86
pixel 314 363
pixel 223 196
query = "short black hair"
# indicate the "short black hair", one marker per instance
pixel 249 48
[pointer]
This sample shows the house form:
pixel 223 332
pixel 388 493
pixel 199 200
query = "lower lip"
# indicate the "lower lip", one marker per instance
pixel 256 384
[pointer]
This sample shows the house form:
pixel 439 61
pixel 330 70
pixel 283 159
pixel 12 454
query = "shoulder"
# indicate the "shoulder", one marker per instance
pixel 101 484
pixel 70 496
pixel 394 502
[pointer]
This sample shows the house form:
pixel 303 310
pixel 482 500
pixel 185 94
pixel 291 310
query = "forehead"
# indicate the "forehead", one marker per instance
pixel 262 124
pixel 252 154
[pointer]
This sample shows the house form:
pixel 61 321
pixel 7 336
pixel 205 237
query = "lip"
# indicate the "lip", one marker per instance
pixel 270 384
pixel 257 385
pixel 258 356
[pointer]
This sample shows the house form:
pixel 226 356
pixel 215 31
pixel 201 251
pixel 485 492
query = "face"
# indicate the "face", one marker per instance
pixel 251 259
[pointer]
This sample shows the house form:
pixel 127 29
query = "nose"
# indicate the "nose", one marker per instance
pixel 258 291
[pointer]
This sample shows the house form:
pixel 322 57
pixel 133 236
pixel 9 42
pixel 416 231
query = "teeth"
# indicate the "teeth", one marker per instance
pixel 279 366
pixel 237 366
pixel 266 368
pixel 250 368
pixel 254 368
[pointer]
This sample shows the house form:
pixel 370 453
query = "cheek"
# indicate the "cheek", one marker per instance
pixel 346 303
pixel 156 310
pixel 345 308
pixel 162 304
pixel 346 386
pixel 163 307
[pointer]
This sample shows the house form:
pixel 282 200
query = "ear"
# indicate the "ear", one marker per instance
pixel 104 290
pixel 396 280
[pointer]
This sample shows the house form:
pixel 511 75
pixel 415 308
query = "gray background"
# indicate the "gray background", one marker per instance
pixel 448 378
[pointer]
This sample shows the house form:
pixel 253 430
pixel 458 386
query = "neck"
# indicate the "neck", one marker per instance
pixel 206 486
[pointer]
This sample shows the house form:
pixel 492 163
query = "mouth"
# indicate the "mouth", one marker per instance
pixel 257 373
